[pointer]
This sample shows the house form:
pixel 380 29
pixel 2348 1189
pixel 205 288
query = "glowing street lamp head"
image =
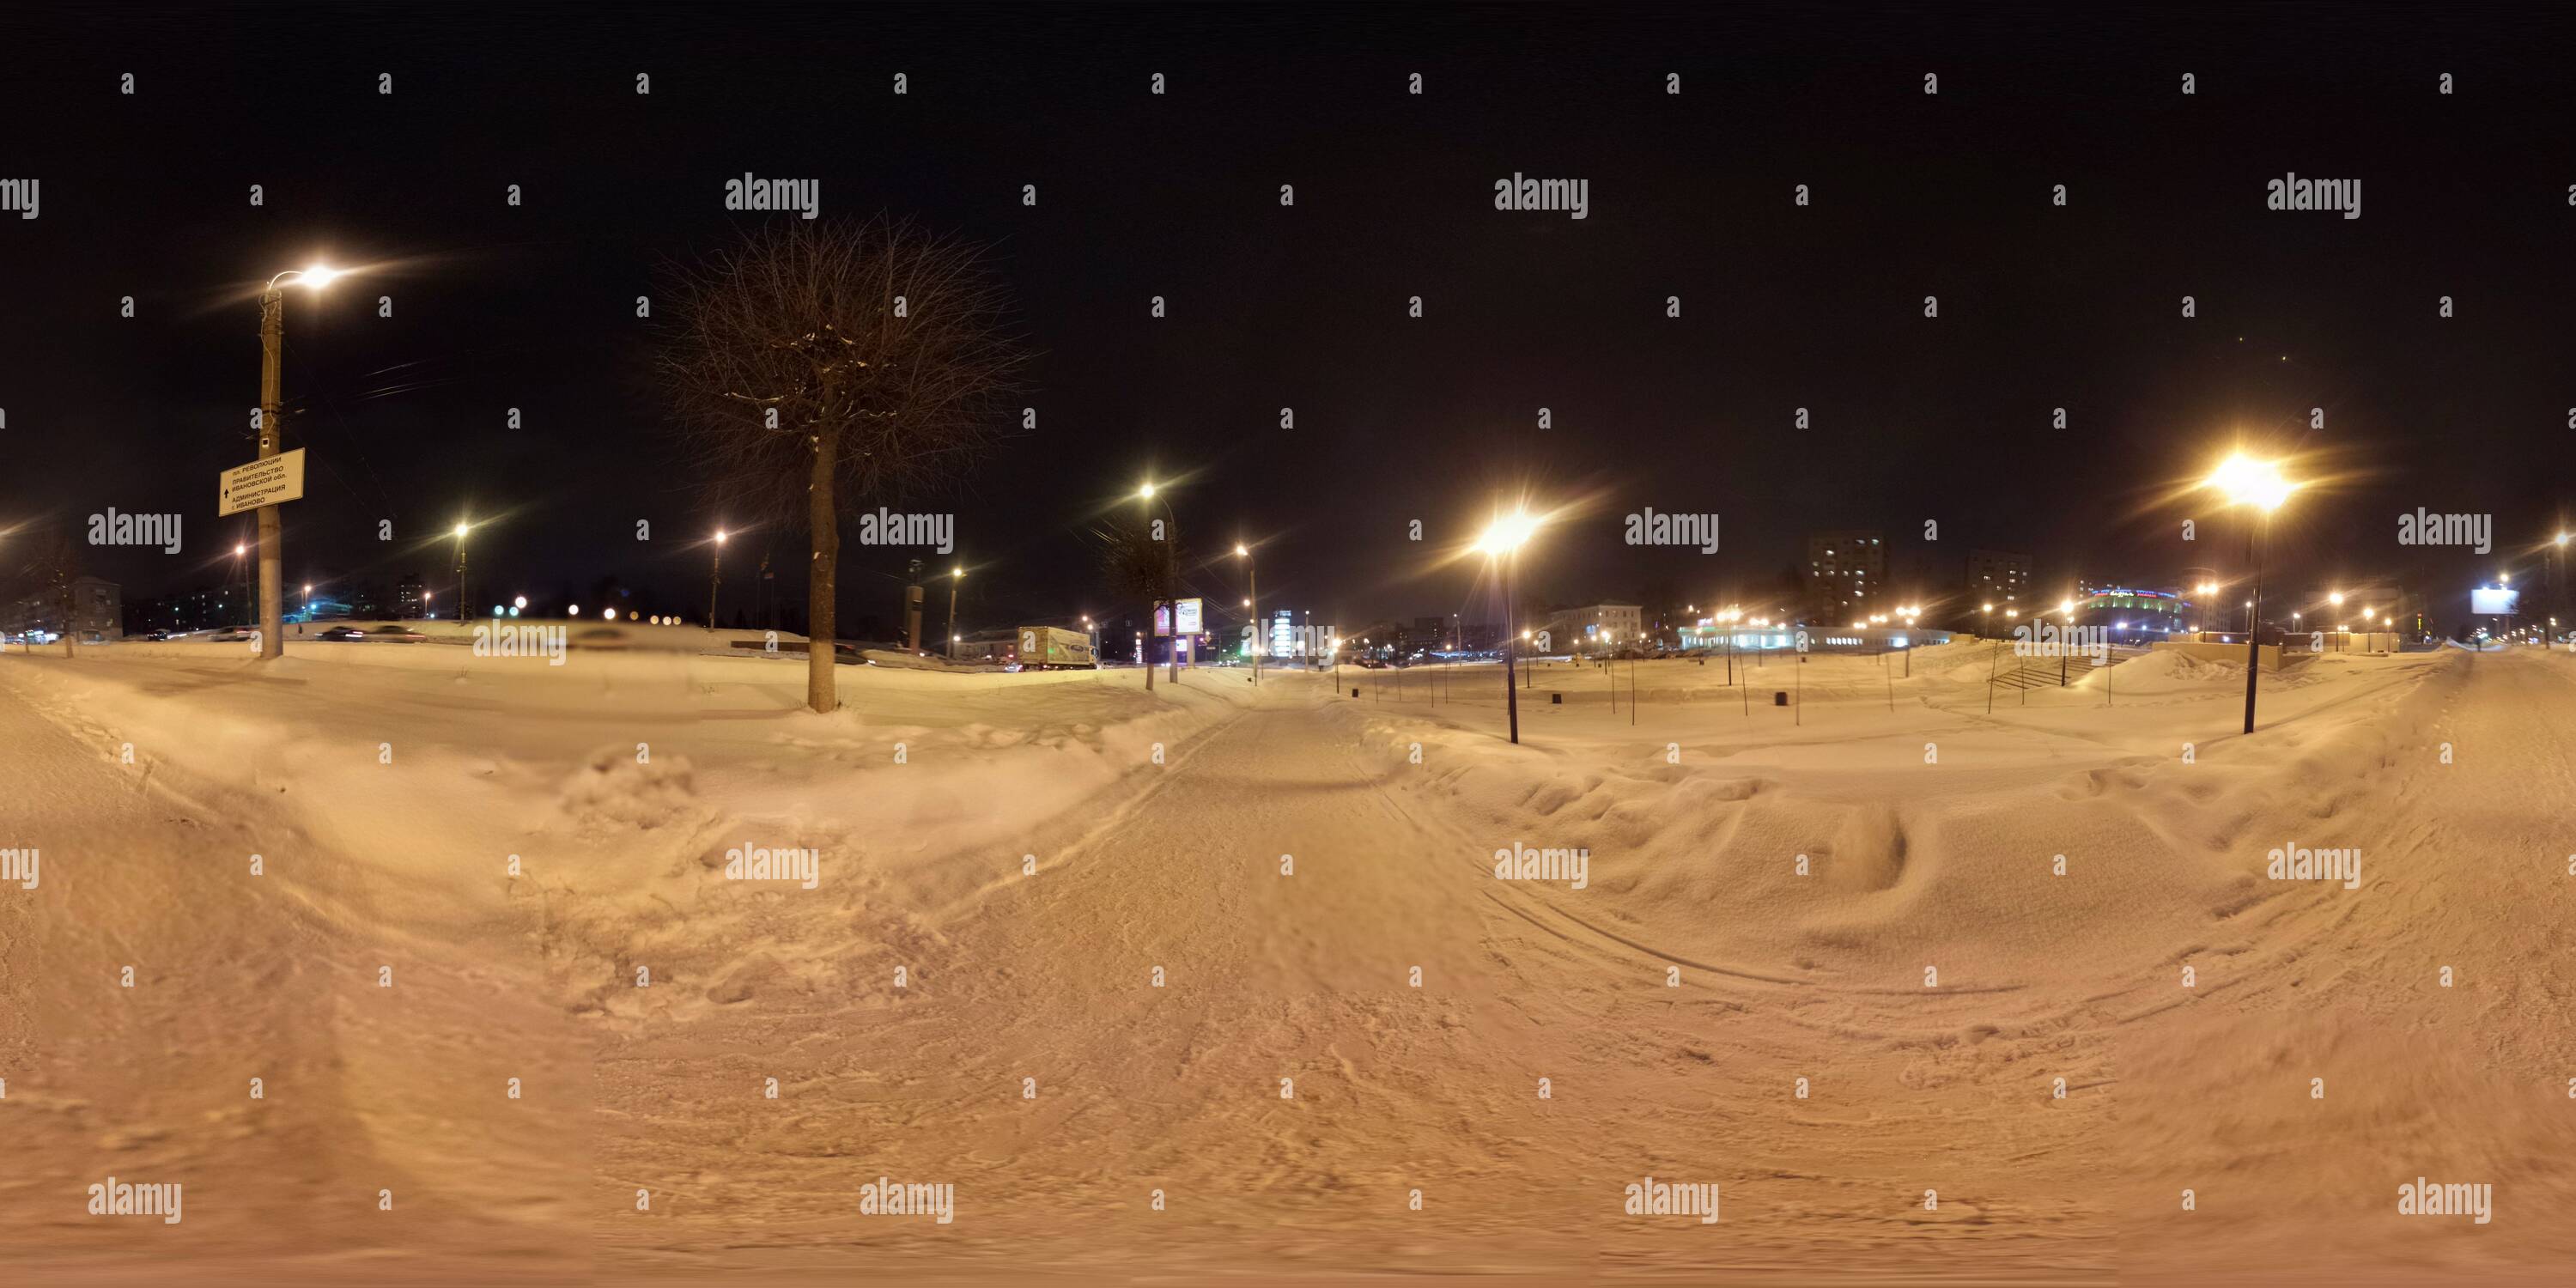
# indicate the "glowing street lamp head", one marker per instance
pixel 460 529
pixel 316 276
pixel 1146 491
pixel 720 536
pixel 2245 481
pixel 1239 550
pixel 1506 535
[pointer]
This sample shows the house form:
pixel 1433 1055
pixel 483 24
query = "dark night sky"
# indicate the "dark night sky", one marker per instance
pixel 1398 419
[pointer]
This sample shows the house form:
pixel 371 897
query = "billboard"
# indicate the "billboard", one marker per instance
pixel 1191 618
pixel 2493 601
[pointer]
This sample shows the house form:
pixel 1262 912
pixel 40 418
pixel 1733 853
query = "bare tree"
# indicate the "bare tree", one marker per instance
pixel 822 364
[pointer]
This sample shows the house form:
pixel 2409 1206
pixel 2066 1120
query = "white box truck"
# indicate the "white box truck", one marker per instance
pixel 1054 648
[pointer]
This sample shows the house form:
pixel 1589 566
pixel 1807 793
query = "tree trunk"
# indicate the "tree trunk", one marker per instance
pixel 822 685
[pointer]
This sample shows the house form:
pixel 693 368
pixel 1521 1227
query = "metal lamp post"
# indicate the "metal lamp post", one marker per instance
pixel 715 579
pixel 2259 485
pixel 461 600
pixel 1502 543
pixel 1252 605
pixel 956 578
pixel 1171 547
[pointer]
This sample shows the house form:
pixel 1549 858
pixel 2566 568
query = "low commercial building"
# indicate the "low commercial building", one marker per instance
pixel 1596 626
pixel 2131 616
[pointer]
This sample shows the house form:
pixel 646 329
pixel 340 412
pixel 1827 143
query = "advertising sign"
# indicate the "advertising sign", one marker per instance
pixel 2493 601
pixel 1191 620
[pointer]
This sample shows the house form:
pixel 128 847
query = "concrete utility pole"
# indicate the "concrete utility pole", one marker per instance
pixel 272 347
pixel 272 351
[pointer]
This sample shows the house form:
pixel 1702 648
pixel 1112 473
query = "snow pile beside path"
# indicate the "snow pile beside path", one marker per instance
pixel 901 660
pixel 2163 672
pixel 624 778
pixel 1909 861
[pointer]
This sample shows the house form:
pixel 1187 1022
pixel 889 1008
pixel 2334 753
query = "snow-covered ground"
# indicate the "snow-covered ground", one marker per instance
pixel 1860 890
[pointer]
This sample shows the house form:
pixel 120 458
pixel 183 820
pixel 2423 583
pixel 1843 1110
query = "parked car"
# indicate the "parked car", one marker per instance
pixel 156 635
pixel 600 637
pixel 396 635
pixel 343 635
pixel 230 634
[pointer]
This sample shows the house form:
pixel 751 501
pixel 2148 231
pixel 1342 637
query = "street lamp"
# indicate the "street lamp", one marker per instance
pixel 715 578
pixel 272 352
pixel 1502 544
pixel 1252 578
pixel 2258 485
pixel 956 578
pixel 461 600
pixel 1171 553
pixel 2558 568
